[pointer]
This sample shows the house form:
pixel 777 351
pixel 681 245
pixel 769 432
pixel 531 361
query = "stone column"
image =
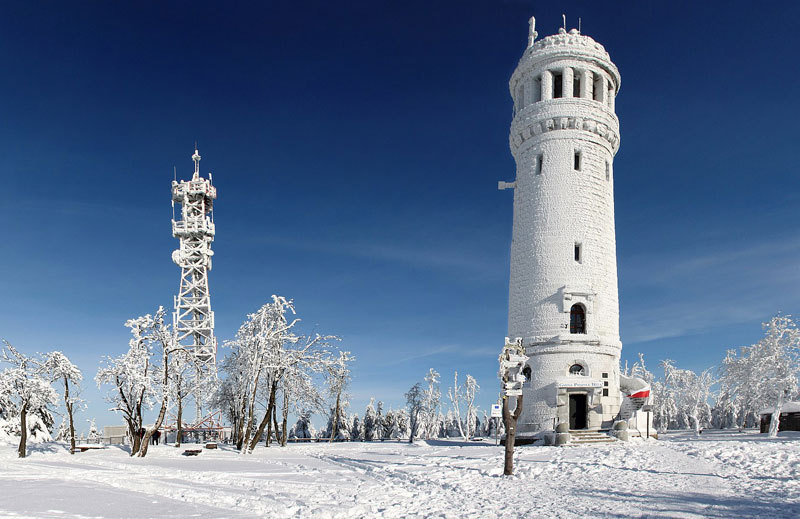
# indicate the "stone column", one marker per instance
pixel 612 95
pixel 587 82
pixel 602 86
pixel 547 85
pixel 567 79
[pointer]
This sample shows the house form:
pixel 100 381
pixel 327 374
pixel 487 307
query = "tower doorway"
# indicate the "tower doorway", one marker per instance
pixel 577 411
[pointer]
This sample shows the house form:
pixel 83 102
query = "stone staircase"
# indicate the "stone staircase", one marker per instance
pixel 589 437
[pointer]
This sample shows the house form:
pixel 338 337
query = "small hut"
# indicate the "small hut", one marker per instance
pixel 789 420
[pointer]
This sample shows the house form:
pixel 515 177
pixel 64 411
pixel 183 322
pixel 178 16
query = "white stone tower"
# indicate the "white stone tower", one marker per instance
pixel 193 320
pixel 563 286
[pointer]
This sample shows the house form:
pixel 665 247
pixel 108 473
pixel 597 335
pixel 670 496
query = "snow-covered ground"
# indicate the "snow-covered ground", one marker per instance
pixel 716 475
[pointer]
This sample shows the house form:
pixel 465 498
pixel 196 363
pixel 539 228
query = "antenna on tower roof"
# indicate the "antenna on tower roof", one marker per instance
pixel 196 159
pixel 579 24
pixel 175 176
pixel 564 18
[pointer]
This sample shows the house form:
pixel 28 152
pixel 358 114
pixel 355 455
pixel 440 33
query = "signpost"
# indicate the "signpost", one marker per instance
pixel 647 409
pixel 512 361
pixel 497 413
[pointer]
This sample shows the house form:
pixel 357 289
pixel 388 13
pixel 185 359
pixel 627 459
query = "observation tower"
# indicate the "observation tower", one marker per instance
pixel 563 300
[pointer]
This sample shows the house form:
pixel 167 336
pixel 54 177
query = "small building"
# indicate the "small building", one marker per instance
pixel 789 420
pixel 115 434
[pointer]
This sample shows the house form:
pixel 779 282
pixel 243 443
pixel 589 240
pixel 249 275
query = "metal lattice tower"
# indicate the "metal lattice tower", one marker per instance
pixel 193 320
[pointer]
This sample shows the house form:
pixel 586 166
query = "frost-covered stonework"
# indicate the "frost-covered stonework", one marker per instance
pixel 564 136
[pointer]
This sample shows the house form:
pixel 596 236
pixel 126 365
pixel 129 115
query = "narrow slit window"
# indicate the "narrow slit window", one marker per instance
pixel 608 171
pixel 521 97
pixel 576 85
pixel 558 85
pixel 577 161
pixel 539 163
pixel 537 89
pixel 605 391
pixel 578 252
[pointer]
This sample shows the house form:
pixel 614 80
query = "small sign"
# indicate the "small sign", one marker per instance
pixel 497 411
pixel 514 384
pixel 580 383
pixel 647 408
pixel 513 392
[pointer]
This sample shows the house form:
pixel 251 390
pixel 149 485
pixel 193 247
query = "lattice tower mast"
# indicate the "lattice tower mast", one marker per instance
pixel 193 320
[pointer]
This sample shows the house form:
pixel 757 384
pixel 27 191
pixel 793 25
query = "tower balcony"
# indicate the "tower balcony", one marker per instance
pixel 185 229
pixel 193 188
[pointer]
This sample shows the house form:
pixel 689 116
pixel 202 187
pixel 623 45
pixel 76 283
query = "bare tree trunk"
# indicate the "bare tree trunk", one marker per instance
pixel 275 422
pixel 242 420
pixel 285 417
pixel 775 420
pixel 510 421
pixel 251 413
pixel 68 405
pixel 163 411
pixel 179 432
pixel 23 437
pixel 265 422
pixel 156 426
pixel 335 421
pixel 133 431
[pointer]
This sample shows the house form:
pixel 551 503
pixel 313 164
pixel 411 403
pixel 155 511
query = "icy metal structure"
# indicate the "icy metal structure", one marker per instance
pixel 193 320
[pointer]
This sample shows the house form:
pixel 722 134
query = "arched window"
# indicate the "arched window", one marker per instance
pixel 577 319
pixel 527 372
pixel 577 369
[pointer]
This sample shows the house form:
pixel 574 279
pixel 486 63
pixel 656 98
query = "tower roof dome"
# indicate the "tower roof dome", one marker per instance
pixel 571 45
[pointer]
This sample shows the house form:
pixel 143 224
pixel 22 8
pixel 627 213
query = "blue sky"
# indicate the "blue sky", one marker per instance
pixel 356 150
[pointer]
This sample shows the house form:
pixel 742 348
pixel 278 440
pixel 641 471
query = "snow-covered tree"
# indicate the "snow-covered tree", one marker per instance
pixel 300 392
pixel 355 429
pixel 303 428
pixel 184 377
pixel 25 384
pixel 456 395
pixel 60 369
pixel 230 399
pixel 338 427
pixel 471 389
pixel 62 435
pixel 139 379
pixel 389 425
pixel 691 393
pixel 266 350
pixel 415 403
pixel 464 395
pixel 379 422
pixel 431 402
pixel 94 434
pixel 401 424
pixel 369 424
pixel 338 377
pixel 766 373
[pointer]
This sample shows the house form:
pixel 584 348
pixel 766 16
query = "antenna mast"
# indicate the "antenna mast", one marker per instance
pixel 193 320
